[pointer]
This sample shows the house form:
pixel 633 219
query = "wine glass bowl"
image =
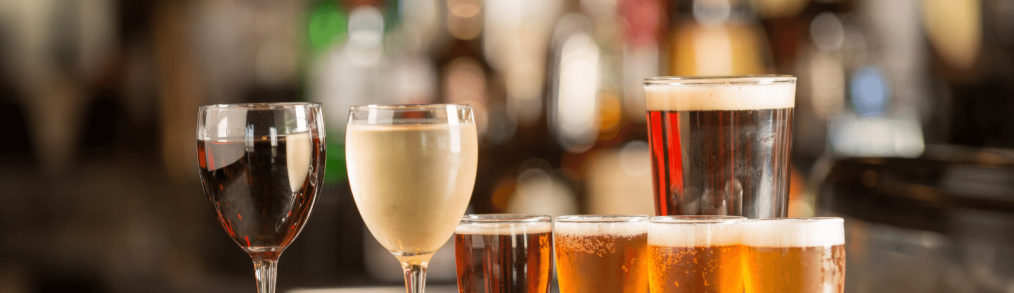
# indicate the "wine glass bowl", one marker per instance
pixel 261 166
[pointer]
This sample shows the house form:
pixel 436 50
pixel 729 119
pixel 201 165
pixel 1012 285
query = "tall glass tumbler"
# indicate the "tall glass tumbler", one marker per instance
pixel 721 145
pixel 504 253
pixel 691 254
pixel 602 253
pixel 794 255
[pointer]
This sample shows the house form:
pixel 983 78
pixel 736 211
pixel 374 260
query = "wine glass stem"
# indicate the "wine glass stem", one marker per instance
pixel 415 277
pixel 265 272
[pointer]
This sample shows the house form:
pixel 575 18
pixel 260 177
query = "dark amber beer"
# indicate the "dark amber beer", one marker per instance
pixel 721 145
pixel 695 254
pixel 504 253
pixel 794 255
pixel 604 254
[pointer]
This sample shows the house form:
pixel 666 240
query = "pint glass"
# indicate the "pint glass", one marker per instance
pixel 720 145
pixel 794 255
pixel 601 253
pixel 504 253
pixel 695 254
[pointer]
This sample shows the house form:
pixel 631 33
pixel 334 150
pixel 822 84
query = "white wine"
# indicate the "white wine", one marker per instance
pixel 412 182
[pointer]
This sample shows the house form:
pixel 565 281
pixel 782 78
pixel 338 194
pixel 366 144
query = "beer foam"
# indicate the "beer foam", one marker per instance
pixel 719 96
pixel 803 232
pixel 504 228
pixel 591 228
pixel 701 234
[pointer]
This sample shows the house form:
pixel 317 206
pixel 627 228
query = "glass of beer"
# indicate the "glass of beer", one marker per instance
pixel 411 169
pixel 599 253
pixel 720 145
pixel 504 253
pixel 695 254
pixel 794 255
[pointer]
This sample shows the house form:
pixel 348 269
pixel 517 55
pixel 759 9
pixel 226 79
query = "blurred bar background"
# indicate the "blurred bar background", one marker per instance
pixel 98 99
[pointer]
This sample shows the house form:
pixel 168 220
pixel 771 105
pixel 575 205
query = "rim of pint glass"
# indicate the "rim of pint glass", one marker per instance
pixel 602 218
pixel 759 79
pixel 411 107
pixel 279 105
pixel 796 221
pixel 505 218
pixel 696 219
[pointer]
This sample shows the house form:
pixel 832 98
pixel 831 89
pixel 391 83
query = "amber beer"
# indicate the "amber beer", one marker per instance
pixel 694 254
pixel 601 254
pixel 720 146
pixel 794 255
pixel 504 253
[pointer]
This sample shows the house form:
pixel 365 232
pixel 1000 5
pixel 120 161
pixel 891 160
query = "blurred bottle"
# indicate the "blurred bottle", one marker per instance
pixel 885 80
pixel 326 28
pixel 347 70
pixel 580 80
pixel 515 41
pixel 465 75
pixel 817 46
pixel 627 34
pixel 600 53
pixel 412 76
pixel 56 53
pixel 972 60
pixel 717 37
pixel 644 23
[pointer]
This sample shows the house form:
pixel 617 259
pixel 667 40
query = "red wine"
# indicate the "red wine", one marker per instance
pixel 262 189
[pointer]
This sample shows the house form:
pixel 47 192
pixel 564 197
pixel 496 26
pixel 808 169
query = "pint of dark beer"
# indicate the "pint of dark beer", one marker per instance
pixel 500 253
pixel 602 254
pixel 721 145
pixel 695 254
pixel 794 255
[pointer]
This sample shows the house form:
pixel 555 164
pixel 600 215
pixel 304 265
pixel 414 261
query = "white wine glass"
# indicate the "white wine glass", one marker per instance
pixel 412 170
pixel 261 166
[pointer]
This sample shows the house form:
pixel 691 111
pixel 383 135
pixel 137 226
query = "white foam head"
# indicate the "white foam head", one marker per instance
pixel 732 93
pixel 691 232
pixel 601 225
pixel 504 224
pixel 794 232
